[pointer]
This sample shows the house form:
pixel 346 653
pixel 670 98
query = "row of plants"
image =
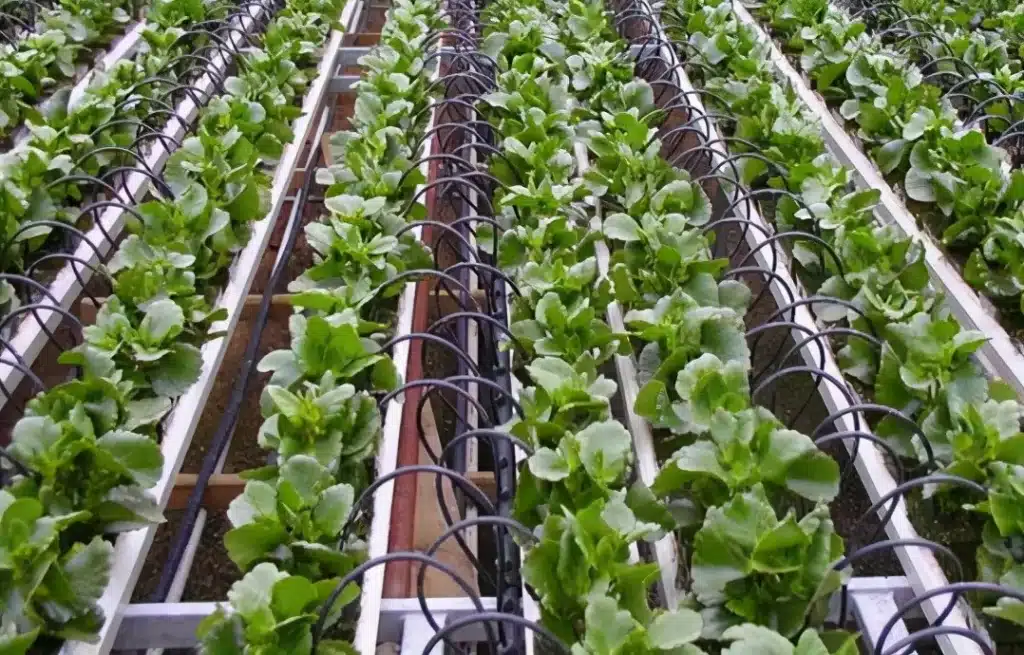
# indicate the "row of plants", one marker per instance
pixel 64 36
pixel 573 490
pixel 85 452
pixel 734 458
pixel 293 533
pixel 563 78
pixel 962 187
pixel 103 128
pixel 925 368
pixel 973 38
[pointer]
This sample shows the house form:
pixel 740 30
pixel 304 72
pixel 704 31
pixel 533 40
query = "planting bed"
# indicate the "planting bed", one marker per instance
pixel 597 327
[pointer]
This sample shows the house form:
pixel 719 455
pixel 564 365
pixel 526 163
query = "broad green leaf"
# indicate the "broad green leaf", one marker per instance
pixel 137 454
pixel 673 629
pixel 334 508
pixel 548 464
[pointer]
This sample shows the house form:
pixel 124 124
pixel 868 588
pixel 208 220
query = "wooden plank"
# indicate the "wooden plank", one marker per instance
pixel 430 524
pixel 221 489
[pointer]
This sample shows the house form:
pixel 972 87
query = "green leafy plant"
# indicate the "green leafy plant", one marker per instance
pixel 270 611
pixel 583 555
pixel 750 566
pixel 82 459
pixel 745 449
pixel 612 630
pixel 155 350
pixel 750 639
pixel 568 333
pixel 329 345
pixel 565 398
pixel 293 521
pixel 333 423
pixel 47 589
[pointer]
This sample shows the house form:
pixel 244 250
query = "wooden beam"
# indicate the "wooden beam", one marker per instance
pixel 220 490
pixel 224 487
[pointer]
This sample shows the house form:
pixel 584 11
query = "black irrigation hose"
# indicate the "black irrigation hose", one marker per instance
pixel 229 417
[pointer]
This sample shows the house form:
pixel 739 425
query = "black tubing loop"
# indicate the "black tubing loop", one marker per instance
pixel 770 276
pixel 436 340
pixel 829 422
pixel 776 359
pixel 901 473
pixel 919 599
pixel 470 490
pixel 34 308
pixel 496 617
pixel 32 283
pixel 387 558
pixel 74 263
pixel 872 548
pixel 92 209
pixel 899 492
pixel 500 524
pixel 927 634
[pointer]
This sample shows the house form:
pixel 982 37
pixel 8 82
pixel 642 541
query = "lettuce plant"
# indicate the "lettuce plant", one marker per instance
pixel 269 611
pixel 751 566
pixel 744 449
pixel 293 521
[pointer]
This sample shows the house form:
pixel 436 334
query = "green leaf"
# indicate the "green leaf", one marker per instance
pixel 306 475
pixel 13 643
pixel 621 227
pixel 891 155
pixel 254 592
pixel 918 186
pixel 164 319
pixel 675 628
pixel 605 448
pixel 751 639
pixel 177 371
pixel 137 454
pixel 334 508
pixel 782 548
pixel 250 543
pixel 608 626
pixel 290 596
pixel 548 464
pixel 87 569
pixel 258 500
pixel 193 201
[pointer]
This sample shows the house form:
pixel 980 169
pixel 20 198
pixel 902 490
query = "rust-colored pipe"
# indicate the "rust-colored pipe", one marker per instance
pixel 398 575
